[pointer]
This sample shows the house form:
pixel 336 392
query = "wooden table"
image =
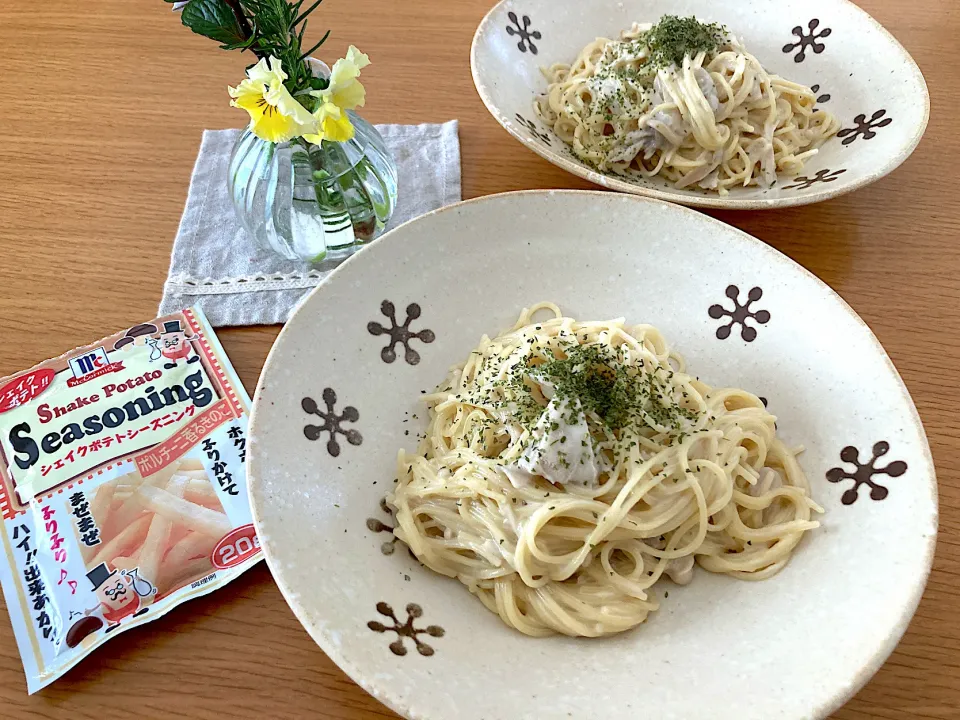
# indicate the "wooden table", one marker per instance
pixel 100 120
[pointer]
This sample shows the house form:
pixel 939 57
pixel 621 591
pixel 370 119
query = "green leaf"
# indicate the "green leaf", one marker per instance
pixel 303 15
pixel 214 19
pixel 309 52
pixel 244 45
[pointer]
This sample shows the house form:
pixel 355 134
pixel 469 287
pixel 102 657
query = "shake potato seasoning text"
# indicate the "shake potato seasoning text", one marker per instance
pixel 122 487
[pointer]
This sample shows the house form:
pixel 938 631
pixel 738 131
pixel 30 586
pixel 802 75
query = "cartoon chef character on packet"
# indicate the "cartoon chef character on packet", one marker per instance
pixel 175 345
pixel 119 593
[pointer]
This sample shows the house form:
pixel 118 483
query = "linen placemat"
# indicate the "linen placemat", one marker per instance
pixel 218 266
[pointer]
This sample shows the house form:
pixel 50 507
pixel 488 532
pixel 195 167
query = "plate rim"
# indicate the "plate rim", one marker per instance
pixel 825 193
pixel 398 704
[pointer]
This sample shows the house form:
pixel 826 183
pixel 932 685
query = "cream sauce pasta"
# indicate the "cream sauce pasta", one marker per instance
pixel 713 120
pixel 568 466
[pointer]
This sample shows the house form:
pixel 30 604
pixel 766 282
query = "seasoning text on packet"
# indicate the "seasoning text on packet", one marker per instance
pixel 62 431
pixel 27 450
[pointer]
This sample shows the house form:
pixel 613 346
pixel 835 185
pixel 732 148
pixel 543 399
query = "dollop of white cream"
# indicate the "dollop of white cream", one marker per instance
pixel 560 451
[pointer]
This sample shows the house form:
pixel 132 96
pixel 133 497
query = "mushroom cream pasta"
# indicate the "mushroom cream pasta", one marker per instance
pixel 569 466
pixel 685 101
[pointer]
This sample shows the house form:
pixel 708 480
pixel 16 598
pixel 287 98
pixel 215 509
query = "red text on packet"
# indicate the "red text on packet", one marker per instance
pixel 25 388
pixel 236 546
pixel 161 455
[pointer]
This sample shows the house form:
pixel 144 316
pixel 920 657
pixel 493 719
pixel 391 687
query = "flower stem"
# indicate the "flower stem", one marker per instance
pixel 322 179
pixel 241 19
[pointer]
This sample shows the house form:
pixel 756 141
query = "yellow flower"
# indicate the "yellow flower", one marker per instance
pixel 275 115
pixel 334 124
pixel 345 90
pixel 344 93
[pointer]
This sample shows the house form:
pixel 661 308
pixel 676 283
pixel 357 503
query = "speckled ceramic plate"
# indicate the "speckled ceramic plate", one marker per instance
pixel 860 72
pixel 340 394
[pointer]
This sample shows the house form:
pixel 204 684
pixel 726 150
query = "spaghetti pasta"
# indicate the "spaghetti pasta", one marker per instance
pixel 702 119
pixel 501 496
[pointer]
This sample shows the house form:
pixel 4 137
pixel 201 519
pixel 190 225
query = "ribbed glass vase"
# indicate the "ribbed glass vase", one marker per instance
pixel 314 202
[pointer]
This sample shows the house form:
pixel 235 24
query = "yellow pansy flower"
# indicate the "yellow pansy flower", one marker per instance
pixel 343 93
pixel 275 115
pixel 333 123
pixel 345 90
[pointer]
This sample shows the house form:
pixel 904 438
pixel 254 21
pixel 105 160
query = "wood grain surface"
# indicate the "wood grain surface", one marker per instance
pixel 100 120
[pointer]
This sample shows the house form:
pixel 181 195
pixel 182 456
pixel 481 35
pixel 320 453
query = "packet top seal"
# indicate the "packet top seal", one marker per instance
pixel 123 488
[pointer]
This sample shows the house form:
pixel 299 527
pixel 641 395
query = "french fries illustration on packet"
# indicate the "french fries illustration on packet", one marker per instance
pixel 166 525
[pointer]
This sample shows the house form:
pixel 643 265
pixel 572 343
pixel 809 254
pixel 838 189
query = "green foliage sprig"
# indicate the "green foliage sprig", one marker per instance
pixel 264 27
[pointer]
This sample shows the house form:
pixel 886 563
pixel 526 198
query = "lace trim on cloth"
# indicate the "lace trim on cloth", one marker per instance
pixel 185 285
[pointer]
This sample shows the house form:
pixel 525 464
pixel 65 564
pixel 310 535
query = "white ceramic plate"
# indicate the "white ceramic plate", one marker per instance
pixel 795 646
pixel 862 74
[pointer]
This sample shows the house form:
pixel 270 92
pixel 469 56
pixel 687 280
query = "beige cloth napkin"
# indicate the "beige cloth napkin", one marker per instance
pixel 217 265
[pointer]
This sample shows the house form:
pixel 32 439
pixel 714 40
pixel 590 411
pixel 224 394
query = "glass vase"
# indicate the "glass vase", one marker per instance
pixel 311 202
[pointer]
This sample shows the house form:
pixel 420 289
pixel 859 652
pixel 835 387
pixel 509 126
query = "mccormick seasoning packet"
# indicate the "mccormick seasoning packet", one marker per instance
pixel 122 487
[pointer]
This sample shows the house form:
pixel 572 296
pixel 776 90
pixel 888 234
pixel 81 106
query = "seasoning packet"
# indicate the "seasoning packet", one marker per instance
pixel 122 487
